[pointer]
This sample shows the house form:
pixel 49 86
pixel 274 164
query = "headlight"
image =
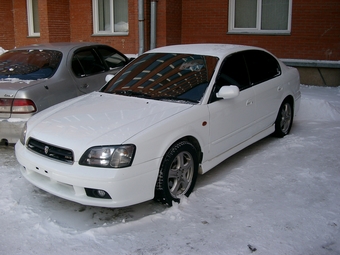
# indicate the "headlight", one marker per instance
pixel 109 156
pixel 23 134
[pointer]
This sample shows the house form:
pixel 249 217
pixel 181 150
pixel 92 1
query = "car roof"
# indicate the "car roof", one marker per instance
pixel 62 46
pixel 210 49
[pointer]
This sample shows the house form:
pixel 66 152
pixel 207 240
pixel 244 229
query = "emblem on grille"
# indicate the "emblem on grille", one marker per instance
pixel 46 149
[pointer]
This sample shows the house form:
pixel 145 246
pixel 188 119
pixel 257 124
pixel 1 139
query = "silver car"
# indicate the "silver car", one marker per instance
pixel 35 77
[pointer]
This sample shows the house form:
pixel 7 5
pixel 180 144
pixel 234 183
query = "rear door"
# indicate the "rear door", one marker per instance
pixel 265 77
pixel 231 120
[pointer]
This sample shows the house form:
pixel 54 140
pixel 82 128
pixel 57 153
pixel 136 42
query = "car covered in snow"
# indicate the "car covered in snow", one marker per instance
pixel 171 114
pixel 35 77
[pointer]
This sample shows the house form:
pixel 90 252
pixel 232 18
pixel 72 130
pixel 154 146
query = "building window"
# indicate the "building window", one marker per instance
pixel 110 17
pixel 33 18
pixel 260 16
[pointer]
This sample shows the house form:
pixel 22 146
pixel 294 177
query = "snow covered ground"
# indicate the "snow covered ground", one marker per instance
pixel 279 196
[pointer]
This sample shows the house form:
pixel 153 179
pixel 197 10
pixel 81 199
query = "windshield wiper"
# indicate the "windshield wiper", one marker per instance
pixel 130 93
pixel 170 98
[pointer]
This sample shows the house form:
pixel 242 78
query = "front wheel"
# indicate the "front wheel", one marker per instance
pixel 284 119
pixel 177 174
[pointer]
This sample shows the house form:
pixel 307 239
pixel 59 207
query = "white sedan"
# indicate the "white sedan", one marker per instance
pixel 172 113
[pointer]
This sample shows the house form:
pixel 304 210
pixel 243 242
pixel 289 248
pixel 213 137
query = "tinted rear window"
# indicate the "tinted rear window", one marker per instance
pixel 29 64
pixel 262 66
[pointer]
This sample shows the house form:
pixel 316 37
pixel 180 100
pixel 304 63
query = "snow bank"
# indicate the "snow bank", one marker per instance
pixel 326 111
pixel 2 50
pixel 278 196
pixel 319 104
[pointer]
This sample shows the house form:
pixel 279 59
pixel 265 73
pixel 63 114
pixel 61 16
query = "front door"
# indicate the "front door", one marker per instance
pixel 231 120
pixel 89 70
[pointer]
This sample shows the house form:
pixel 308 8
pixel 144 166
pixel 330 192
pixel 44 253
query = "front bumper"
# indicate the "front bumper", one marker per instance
pixel 125 186
pixel 10 129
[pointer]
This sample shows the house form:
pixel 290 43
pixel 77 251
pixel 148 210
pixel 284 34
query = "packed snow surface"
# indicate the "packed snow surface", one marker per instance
pixel 278 196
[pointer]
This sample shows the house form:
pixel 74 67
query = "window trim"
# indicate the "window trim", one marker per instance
pixel 30 20
pixel 257 29
pixel 96 31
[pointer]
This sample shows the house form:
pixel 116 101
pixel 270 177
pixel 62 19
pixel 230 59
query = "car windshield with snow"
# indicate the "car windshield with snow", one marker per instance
pixel 29 64
pixel 171 114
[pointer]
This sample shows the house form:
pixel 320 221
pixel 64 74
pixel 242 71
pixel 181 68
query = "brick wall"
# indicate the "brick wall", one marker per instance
pixel 81 26
pixel 173 22
pixel 315 30
pixel 59 21
pixel 44 22
pixel 62 20
pixel 169 22
pixel 6 25
pixel 20 23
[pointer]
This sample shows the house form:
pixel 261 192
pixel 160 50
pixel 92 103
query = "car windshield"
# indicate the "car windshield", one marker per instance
pixel 29 64
pixel 165 76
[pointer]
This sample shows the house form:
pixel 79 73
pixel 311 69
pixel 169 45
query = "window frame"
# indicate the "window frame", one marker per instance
pixel 257 30
pixel 31 18
pixel 96 31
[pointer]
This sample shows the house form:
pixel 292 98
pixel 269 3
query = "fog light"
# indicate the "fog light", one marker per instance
pixel 101 193
pixel 97 193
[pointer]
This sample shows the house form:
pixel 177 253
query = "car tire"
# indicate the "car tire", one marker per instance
pixel 284 119
pixel 177 174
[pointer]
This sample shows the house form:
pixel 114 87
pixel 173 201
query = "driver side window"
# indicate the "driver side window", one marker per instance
pixel 232 72
pixel 86 63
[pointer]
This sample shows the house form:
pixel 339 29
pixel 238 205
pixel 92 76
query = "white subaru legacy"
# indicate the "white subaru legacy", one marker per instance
pixel 171 114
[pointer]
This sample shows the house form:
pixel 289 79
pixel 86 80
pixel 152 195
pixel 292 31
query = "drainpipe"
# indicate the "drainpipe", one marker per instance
pixel 153 21
pixel 141 26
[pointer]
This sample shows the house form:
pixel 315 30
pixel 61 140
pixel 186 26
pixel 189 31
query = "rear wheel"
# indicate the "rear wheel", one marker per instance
pixel 178 173
pixel 284 119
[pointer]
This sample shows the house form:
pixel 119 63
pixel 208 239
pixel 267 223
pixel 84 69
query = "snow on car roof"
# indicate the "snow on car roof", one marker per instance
pixel 218 50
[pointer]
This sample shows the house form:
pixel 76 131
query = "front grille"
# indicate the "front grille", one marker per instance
pixel 50 151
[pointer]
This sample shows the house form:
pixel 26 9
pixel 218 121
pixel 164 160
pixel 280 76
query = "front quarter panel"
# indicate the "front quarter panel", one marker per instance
pixel 155 141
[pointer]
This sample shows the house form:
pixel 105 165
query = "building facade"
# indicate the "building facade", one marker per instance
pixel 302 32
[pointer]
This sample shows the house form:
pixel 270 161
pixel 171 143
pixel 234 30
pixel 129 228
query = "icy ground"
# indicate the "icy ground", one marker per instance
pixel 279 196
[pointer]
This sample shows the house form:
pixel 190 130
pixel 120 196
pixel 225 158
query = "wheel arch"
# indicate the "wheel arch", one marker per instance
pixel 161 193
pixel 282 124
pixel 194 142
pixel 290 99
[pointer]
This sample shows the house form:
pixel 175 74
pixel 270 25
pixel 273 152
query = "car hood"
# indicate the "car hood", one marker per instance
pixel 99 119
pixel 9 87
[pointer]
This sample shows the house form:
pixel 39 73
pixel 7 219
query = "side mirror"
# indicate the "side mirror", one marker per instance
pixel 109 77
pixel 228 92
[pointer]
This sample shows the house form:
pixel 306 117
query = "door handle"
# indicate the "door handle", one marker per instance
pixel 249 102
pixel 279 89
pixel 85 86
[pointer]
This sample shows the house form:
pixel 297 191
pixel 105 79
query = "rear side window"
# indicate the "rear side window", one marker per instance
pixel 261 66
pixel 29 64
pixel 111 57
pixel 86 62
